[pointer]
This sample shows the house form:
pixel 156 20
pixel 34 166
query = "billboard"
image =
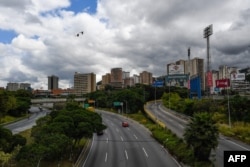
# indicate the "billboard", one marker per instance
pixel 195 87
pixel 209 78
pixel 158 84
pixel 175 69
pixel 222 83
pixel 238 76
pixel 177 80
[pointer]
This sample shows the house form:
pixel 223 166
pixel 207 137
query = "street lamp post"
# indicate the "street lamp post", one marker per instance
pixel 122 107
pixel 155 95
pixel 126 106
pixel 208 31
pixel 169 95
pixel 228 108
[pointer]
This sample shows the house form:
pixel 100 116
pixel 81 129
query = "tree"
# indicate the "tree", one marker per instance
pixel 239 107
pixel 3 106
pixel 202 135
pixel 31 155
pixel 5 138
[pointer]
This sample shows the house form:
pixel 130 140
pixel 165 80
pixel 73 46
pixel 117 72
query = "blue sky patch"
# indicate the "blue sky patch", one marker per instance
pixel 7 36
pixel 88 6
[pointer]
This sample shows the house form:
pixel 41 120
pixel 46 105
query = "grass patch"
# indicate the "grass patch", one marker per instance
pixel 238 130
pixel 8 119
pixel 27 135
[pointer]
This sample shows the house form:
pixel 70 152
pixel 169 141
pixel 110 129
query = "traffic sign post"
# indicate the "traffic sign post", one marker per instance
pixel 224 83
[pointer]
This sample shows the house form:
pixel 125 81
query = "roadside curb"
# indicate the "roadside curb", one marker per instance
pixel 84 153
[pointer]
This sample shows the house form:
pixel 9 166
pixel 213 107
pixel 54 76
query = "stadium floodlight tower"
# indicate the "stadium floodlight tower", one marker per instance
pixel 207 32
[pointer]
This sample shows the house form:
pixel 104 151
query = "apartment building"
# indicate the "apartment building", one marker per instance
pixel 146 78
pixel 13 86
pixel 25 86
pixel 53 82
pixel 116 78
pixel 84 83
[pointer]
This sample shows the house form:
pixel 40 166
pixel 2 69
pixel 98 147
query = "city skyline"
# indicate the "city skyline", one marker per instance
pixel 134 35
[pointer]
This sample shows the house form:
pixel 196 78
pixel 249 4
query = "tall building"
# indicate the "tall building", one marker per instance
pixel 116 79
pixel 194 67
pixel 146 78
pixel 52 82
pixel 12 86
pixel 25 86
pixel 106 79
pixel 84 83
pixel 197 68
pixel 136 79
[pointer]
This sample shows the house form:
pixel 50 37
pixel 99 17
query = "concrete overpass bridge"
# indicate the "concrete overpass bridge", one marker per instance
pixel 54 100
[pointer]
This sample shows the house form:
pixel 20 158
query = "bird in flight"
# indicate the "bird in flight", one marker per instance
pixel 80 33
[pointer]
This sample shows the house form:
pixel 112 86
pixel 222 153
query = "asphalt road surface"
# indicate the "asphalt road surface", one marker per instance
pixel 25 124
pixel 177 124
pixel 130 146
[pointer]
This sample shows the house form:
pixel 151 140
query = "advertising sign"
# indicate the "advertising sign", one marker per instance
pixel 175 69
pixel 238 76
pixel 222 83
pixel 177 80
pixel 195 87
pixel 209 79
pixel 158 84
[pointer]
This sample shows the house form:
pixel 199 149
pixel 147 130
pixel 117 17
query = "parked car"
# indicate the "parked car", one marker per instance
pixel 125 124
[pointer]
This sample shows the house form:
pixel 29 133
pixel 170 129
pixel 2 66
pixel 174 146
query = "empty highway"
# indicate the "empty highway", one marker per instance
pixel 130 146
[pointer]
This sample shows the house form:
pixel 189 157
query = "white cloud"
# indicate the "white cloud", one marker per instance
pixel 24 43
pixel 135 35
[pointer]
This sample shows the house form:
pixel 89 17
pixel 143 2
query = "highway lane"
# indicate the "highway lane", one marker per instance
pixel 177 125
pixel 24 124
pixel 130 146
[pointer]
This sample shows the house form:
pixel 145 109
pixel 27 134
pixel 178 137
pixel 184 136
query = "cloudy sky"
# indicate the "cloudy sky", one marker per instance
pixel 38 37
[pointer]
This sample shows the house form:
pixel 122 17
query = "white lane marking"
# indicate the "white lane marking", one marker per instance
pixel 135 136
pixel 107 141
pixel 121 138
pixel 145 151
pixel 106 157
pixel 237 144
pixel 117 130
pixel 92 143
pixel 126 154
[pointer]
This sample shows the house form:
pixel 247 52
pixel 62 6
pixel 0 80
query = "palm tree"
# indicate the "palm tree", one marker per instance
pixel 202 135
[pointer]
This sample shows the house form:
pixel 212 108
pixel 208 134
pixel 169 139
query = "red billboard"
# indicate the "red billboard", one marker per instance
pixel 209 79
pixel 222 83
